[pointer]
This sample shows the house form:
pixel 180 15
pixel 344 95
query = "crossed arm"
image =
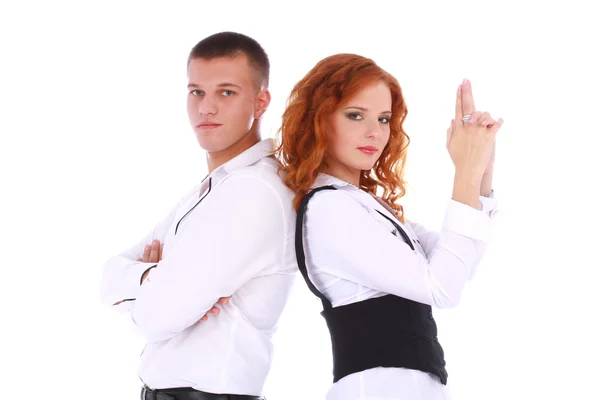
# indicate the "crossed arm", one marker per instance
pixel 124 274
pixel 152 255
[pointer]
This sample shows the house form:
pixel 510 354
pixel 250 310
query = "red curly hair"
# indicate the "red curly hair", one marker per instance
pixel 329 85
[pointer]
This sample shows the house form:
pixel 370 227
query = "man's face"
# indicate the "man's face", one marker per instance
pixel 223 101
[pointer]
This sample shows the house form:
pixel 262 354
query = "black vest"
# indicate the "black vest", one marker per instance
pixel 387 331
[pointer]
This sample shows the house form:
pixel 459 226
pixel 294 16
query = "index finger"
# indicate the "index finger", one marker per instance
pixel 146 255
pixel 468 104
pixel 154 249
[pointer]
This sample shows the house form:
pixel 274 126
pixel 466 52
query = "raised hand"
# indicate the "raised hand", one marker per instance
pixel 471 140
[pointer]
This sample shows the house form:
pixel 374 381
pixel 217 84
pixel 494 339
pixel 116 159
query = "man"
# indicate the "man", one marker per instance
pixel 231 237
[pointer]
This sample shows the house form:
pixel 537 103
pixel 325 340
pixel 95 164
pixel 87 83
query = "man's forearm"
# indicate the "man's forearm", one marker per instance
pixel 120 280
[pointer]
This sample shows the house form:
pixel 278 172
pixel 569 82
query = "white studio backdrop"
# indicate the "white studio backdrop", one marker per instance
pixel 96 147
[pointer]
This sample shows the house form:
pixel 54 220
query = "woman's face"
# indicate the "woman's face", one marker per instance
pixel 359 131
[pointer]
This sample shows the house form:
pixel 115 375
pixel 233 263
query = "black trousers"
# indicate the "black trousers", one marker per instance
pixel 190 394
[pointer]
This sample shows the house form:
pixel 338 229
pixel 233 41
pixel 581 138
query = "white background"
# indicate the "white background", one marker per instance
pixel 96 147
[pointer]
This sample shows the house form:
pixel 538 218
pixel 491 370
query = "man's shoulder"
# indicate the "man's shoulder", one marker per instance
pixel 265 172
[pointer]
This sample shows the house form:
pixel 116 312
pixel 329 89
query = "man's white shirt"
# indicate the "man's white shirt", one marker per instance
pixel 231 235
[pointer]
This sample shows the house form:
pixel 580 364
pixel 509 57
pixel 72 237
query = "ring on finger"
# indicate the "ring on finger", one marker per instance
pixel 466 117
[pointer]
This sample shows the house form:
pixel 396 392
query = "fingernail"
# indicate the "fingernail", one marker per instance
pixel 465 81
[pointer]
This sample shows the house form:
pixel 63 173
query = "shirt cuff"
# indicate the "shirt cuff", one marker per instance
pixel 488 205
pixel 137 270
pixel 150 269
pixel 467 221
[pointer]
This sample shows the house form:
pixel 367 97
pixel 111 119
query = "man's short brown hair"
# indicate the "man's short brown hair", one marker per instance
pixel 233 44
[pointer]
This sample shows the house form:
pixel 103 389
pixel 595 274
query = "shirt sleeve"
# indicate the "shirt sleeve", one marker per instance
pixel 454 224
pixel 235 236
pixel 345 240
pixel 122 273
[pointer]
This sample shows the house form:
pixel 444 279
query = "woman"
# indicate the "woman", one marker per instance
pixel 378 274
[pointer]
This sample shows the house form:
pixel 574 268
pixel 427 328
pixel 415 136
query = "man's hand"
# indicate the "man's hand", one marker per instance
pixel 153 253
pixel 216 310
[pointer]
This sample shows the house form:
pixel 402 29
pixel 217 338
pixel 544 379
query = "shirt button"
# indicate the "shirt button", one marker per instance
pixel 443 363
pixel 435 339
pixel 430 315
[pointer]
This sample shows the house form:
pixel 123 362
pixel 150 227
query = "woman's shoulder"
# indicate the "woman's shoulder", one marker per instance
pixel 338 202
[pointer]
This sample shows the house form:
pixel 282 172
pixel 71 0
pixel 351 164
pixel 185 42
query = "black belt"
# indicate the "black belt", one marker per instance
pixel 191 394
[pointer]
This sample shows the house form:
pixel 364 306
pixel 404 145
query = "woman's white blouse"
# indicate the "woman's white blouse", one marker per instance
pixel 354 254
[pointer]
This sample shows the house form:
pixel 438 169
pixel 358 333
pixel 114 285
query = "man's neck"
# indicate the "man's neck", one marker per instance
pixel 216 159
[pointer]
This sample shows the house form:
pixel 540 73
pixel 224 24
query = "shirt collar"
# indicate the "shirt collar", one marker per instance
pixel 326 180
pixel 248 157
